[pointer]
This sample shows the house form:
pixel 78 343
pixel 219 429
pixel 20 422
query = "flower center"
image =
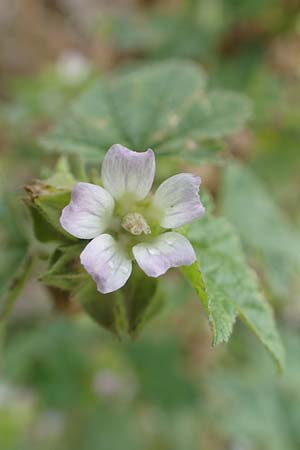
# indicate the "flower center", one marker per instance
pixel 136 224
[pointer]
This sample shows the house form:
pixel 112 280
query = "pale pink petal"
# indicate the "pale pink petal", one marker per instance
pixel 163 252
pixel 178 200
pixel 125 171
pixel 89 212
pixel 107 263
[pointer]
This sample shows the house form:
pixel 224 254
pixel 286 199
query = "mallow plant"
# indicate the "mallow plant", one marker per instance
pixel 126 222
pixel 105 240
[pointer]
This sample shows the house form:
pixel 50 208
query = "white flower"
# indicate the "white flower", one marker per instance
pixel 73 68
pixel 127 223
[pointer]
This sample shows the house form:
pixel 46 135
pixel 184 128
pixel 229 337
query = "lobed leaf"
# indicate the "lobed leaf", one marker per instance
pixel 164 106
pixel 227 287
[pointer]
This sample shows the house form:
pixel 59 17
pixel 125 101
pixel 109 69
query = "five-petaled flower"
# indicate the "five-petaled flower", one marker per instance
pixel 126 222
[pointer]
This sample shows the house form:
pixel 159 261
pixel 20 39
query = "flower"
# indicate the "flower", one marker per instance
pixel 126 222
pixel 73 68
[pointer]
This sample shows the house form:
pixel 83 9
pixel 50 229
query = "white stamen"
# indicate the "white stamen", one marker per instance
pixel 136 224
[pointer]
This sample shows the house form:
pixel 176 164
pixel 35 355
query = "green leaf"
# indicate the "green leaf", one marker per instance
pixel 42 229
pixel 127 310
pixel 15 261
pixel 64 271
pixel 221 312
pixel 107 310
pixel 162 34
pixel 17 282
pixel 268 236
pixel 206 153
pixel 211 115
pixel 45 204
pixel 51 206
pixel 227 287
pixel 62 178
pixel 142 300
pixel 164 106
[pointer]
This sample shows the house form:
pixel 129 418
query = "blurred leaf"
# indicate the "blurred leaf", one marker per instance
pixel 16 285
pixel 15 260
pixel 212 115
pixel 52 359
pixel 172 389
pixel 163 106
pixel 268 236
pixel 207 153
pixel 226 285
pixel 162 35
pixel 37 98
pixel 280 169
pixel 255 393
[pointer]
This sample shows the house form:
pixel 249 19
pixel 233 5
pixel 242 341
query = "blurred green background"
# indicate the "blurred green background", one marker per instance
pixel 67 384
